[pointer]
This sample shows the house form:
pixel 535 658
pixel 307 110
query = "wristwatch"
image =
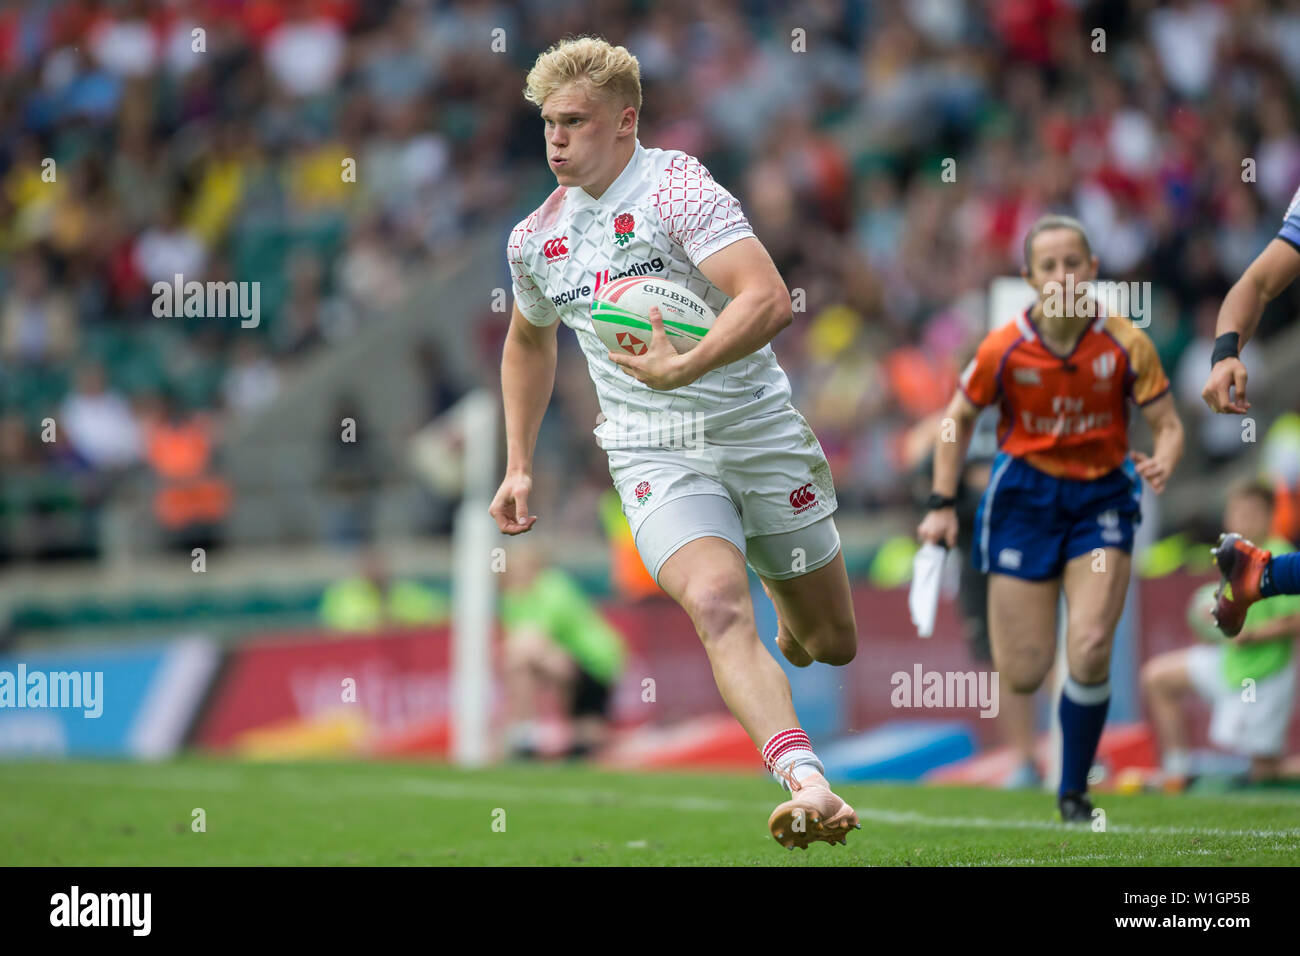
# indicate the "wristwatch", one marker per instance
pixel 937 501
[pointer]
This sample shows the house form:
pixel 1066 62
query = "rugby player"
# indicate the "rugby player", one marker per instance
pixel 1063 497
pixel 757 488
pixel 1247 572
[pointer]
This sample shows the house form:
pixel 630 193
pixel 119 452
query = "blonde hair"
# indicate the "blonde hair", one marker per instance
pixel 613 73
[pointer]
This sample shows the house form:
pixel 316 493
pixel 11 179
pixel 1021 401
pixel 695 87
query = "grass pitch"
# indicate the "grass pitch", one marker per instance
pixel 342 814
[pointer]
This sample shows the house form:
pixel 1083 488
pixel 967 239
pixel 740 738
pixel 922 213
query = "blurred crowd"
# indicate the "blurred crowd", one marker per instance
pixel 889 154
pixel 218 140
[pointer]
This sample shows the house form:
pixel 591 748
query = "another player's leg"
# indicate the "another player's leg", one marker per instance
pixel 533 664
pixel 1015 718
pixel 1247 574
pixel 1095 587
pixel 1166 680
pixel 707 577
pixel 814 602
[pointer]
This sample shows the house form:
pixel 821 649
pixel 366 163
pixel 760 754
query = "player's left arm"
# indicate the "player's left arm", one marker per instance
pixel 758 310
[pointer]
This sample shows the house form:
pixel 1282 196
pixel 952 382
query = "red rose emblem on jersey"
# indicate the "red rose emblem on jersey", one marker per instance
pixel 642 492
pixel 623 226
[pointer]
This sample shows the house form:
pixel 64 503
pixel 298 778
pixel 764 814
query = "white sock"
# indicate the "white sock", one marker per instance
pixel 791 752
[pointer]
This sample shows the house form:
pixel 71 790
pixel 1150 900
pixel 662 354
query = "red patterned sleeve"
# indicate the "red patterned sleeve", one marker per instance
pixel 700 216
pixel 532 301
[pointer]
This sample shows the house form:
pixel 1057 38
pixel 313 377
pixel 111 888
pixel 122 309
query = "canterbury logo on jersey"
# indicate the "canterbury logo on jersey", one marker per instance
pixel 555 248
pixel 803 498
pixel 1103 366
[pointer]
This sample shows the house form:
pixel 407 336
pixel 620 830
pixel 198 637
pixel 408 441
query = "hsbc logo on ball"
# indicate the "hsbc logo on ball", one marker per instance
pixel 803 498
pixel 631 344
pixel 555 250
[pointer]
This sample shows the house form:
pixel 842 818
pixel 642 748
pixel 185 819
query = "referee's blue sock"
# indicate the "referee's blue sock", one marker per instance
pixel 1083 715
pixel 1281 575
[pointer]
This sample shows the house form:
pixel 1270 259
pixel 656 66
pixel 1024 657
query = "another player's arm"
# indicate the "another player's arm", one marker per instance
pixel 1167 432
pixel 1272 271
pixel 527 379
pixel 940 523
pixel 758 310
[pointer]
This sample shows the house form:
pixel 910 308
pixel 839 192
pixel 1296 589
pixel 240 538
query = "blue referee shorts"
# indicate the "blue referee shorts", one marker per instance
pixel 1030 523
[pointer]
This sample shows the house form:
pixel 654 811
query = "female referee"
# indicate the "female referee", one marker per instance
pixel 1063 497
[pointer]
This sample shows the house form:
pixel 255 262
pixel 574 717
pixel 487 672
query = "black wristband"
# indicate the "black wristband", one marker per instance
pixel 1225 346
pixel 937 501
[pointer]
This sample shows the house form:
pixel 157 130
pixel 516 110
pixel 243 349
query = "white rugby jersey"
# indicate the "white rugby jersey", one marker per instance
pixel 661 216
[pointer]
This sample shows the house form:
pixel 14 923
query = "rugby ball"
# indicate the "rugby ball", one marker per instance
pixel 1200 614
pixel 620 313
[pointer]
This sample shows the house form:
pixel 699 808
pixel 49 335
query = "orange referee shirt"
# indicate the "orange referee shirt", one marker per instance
pixel 1067 415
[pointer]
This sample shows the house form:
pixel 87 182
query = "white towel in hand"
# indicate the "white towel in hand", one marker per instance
pixel 923 598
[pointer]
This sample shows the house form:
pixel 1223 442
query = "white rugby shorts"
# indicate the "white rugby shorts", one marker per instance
pixel 763 484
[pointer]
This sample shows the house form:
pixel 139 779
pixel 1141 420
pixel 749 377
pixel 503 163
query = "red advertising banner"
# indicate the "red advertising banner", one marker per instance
pixel 400 680
pixel 401 677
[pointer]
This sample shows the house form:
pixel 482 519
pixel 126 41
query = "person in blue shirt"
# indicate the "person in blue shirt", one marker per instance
pixel 1249 573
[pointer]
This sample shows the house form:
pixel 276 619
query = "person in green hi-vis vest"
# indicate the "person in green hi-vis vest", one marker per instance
pixel 1249 680
pixel 558 641
pixel 372 599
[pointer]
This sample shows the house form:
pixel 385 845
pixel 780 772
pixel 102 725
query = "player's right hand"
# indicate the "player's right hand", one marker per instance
pixel 939 527
pixel 1228 373
pixel 510 506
